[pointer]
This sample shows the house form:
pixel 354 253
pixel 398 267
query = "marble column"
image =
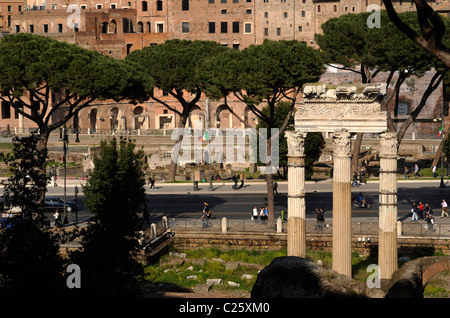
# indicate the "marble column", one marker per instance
pixel 342 213
pixel 387 245
pixel 296 235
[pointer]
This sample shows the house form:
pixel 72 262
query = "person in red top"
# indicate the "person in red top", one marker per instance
pixel 421 207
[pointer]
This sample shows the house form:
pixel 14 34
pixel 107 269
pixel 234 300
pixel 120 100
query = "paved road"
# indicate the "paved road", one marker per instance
pixel 180 199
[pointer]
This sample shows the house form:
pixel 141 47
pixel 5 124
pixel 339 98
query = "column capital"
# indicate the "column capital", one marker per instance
pixel 388 144
pixel 296 142
pixel 342 144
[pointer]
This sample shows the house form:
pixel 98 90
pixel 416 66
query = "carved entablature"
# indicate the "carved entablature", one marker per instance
pixel 328 108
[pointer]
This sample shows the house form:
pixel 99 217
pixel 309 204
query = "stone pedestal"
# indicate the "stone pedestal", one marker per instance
pixel 387 246
pixel 342 213
pixel 296 235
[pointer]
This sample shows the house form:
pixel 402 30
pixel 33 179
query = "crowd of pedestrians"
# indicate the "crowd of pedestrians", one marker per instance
pixel 359 177
pixel 421 212
pixel 261 214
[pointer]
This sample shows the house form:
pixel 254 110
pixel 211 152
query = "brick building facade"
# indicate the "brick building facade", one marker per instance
pixel 117 27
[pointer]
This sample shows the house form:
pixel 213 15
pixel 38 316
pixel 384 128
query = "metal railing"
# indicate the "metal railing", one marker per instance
pixel 421 229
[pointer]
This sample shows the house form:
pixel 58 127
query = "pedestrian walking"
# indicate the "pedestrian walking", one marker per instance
pixel 261 213
pixel 406 172
pixel 57 217
pixel 421 208
pixel 53 176
pixel 320 219
pixel 362 175
pixel 434 171
pixel 235 179
pixel 242 177
pixel 444 209
pixel 152 183
pixel 275 187
pixel 416 171
pixel 428 211
pixel 206 216
pixel 414 211
pixel 430 222
pixel 355 179
pixel 255 213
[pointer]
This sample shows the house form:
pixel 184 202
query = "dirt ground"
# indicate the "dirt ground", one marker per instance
pixel 211 294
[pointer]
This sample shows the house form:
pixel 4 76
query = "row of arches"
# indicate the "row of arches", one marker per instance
pixel 128 26
pixel 116 119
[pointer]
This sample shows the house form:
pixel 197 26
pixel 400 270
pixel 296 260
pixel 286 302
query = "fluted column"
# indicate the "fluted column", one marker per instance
pixel 387 246
pixel 296 235
pixel 342 213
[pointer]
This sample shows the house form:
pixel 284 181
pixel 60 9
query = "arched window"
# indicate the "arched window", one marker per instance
pixel 144 6
pixel 113 26
pixel 148 29
pixel 127 26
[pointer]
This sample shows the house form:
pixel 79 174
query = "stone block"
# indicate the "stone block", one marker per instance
pixel 214 281
pixel 231 265
pixel 202 288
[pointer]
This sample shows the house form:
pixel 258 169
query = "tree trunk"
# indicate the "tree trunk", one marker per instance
pixel 176 148
pixel 270 196
pixel 42 186
pixel 269 181
pixel 356 152
pixel 438 154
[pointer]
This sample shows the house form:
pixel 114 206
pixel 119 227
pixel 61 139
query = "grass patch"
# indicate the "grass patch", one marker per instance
pixel 437 286
pixel 171 270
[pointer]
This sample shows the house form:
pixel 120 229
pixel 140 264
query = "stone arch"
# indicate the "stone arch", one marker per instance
pixel 148 27
pixel 410 280
pixel 249 117
pixel 140 27
pixel 222 117
pixel 127 25
pixel 140 118
pixel 114 117
pixel 92 116
pixel 113 26
pixel 196 118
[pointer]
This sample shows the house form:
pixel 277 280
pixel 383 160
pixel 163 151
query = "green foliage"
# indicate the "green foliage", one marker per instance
pixel 314 143
pixel 347 40
pixel 114 194
pixel 344 39
pixel 281 111
pixel 30 62
pixel 30 264
pixel 25 162
pixel 173 64
pixel 261 72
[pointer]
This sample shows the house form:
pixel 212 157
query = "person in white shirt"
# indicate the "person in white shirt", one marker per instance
pixel 434 172
pixel 444 209
pixel 255 213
